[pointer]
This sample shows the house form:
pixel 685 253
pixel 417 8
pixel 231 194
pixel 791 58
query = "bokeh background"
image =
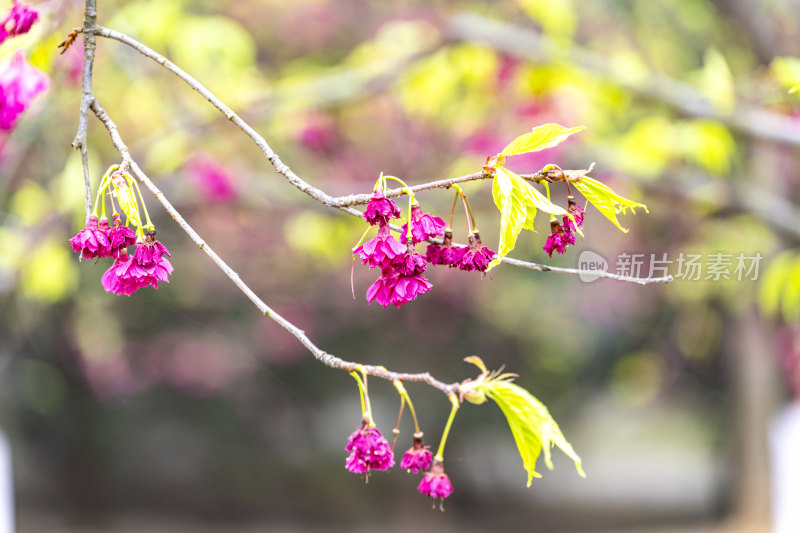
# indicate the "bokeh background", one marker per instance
pixel 184 409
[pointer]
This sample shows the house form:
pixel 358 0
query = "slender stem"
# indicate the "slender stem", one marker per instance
pixel 413 413
pixel 141 198
pixel 474 227
pixel 362 394
pixel 466 212
pixel 404 394
pixel 396 430
pixel 363 236
pixel 455 405
pixel 411 201
pixel 398 180
pixel 453 209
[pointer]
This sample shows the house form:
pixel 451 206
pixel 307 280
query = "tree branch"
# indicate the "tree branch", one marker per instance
pixel 322 356
pixel 79 143
pixel 343 203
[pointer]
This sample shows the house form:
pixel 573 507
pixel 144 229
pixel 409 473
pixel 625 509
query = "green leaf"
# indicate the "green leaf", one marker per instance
pixel 535 198
pixel 609 203
pixel 533 428
pixel 518 203
pixel 541 137
pixel 509 198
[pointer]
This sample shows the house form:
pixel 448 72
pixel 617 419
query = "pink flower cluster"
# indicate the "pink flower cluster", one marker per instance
pixel 100 240
pixel 17 21
pixel 563 234
pixel 145 268
pixel 474 256
pixel 368 451
pixel 401 279
pixel 20 83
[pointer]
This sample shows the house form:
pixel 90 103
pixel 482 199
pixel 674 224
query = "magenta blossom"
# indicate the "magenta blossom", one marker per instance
pixel 146 268
pixel 17 21
pixel 120 236
pixel 397 289
pixel 114 283
pixel 381 250
pixel 92 241
pixel 436 484
pixel 410 264
pixel 423 225
pixel 150 252
pixel 558 240
pixel 19 84
pixel 418 457
pixel 380 210
pixel 477 256
pixel 577 213
pixel 445 254
pixel 368 451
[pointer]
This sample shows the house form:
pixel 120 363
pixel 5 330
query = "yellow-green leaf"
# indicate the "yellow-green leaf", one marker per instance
pixel 609 203
pixel 541 137
pixel 535 198
pixel 509 198
pixel 531 424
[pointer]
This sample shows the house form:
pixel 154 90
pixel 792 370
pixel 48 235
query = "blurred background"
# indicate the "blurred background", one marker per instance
pixel 184 409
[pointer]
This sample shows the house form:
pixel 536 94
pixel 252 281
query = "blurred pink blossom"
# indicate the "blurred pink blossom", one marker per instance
pixel 17 21
pixel 212 180
pixel 19 84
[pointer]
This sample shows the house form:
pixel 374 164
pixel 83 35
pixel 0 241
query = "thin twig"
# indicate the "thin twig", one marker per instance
pixel 271 156
pixel 87 96
pixel 343 203
pixel 322 356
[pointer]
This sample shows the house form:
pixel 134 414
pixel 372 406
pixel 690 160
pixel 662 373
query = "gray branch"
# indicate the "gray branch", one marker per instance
pixel 87 96
pixel 342 203
pixel 322 356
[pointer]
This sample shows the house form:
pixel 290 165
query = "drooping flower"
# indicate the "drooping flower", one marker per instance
pixel 423 225
pixel 436 484
pixel 368 451
pixel 410 264
pixel 577 213
pixel 418 457
pixel 150 252
pixel 558 240
pixel 119 235
pixel 146 268
pixel 19 84
pixel 380 210
pixel 381 250
pixel 114 283
pixel 477 256
pixel 92 241
pixel 445 254
pixel 17 21
pixel 397 289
